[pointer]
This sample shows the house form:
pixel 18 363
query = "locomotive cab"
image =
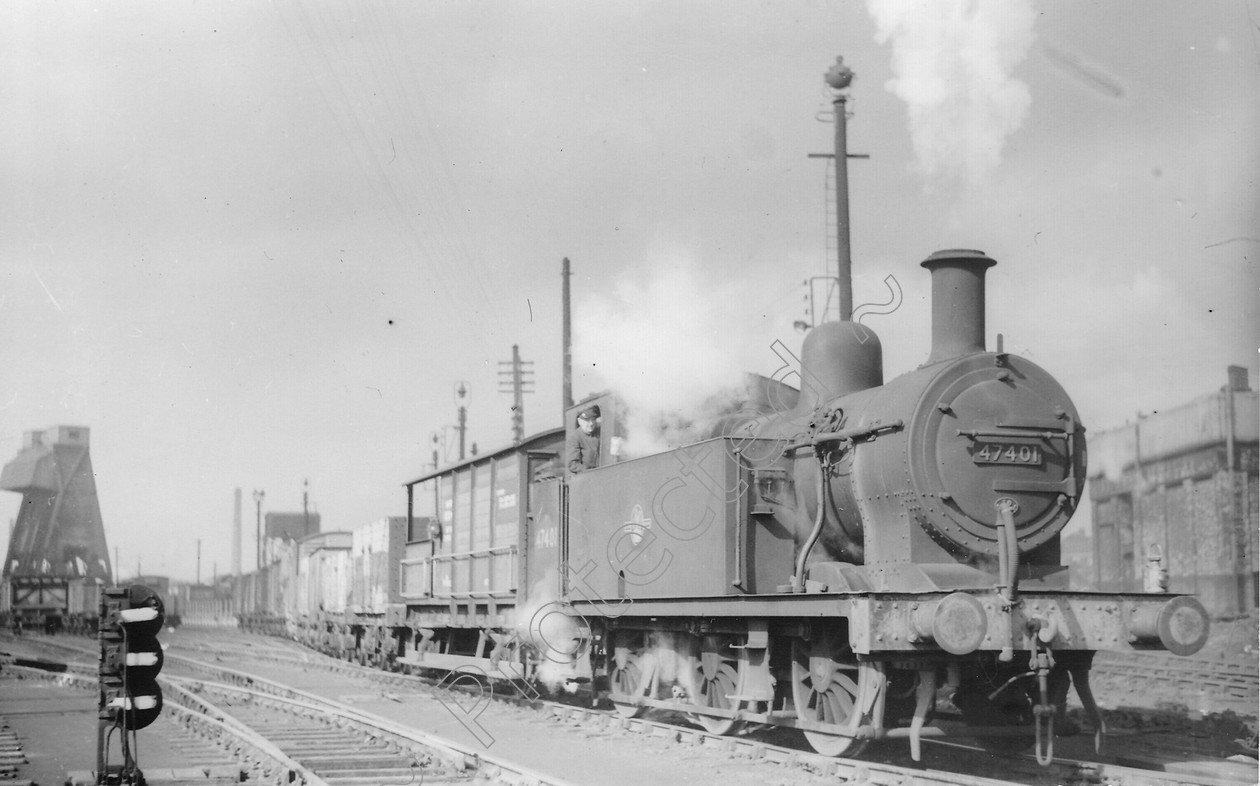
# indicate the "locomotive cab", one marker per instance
pixel 609 424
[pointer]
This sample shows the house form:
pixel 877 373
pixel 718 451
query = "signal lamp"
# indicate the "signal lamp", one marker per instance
pixel 131 656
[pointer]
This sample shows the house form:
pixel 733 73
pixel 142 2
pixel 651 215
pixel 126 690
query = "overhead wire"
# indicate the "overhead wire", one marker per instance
pixel 415 106
pixel 345 76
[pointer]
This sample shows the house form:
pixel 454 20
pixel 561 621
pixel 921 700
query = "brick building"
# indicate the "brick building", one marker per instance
pixel 1182 483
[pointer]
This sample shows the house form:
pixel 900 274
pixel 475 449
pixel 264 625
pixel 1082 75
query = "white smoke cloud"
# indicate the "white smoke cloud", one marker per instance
pixel 671 345
pixel 952 61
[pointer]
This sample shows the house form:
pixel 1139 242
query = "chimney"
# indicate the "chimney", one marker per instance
pixel 1237 378
pixel 957 302
pixel 236 537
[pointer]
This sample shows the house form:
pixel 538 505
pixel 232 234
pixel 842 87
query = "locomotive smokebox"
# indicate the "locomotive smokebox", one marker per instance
pixel 957 302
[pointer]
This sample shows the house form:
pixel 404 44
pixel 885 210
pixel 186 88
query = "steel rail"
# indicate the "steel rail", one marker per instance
pixel 461 755
pixel 264 759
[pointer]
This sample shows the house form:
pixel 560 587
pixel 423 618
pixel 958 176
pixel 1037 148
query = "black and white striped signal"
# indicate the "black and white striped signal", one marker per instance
pixel 131 656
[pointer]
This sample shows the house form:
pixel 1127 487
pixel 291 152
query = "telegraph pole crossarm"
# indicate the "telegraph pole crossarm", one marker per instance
pixel 462 392
pixel 517 379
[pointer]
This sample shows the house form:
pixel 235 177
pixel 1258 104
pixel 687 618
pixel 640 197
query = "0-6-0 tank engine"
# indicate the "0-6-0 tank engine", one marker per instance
pixel 864 557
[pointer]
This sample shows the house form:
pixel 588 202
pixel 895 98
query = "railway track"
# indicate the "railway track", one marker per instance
pixel 284 742
pixel 947 756
pixel 283 736
pixel 329 742
pixel 248 757
pixel 311 725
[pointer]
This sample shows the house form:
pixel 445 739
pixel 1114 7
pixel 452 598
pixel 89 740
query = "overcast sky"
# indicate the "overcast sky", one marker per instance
pixel 249 244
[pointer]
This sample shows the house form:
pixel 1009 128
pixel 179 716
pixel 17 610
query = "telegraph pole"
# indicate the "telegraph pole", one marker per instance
pixel 258 499
pixel 515 375
pixel 461 402
pixel 236 532
pixel 566 340
pixel 437 489
pixel 838 78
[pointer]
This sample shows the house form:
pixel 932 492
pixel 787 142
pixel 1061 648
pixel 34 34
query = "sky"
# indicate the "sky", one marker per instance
pixel 252 245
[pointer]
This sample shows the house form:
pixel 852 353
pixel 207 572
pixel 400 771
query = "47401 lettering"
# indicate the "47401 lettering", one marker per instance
pixel 1004 453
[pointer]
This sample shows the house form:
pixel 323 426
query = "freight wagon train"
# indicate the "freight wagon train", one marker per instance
pixel 50 604
pixel 853 558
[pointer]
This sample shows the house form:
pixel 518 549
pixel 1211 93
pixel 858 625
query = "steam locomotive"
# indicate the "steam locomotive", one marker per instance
pixel 845 556
pixel 849 557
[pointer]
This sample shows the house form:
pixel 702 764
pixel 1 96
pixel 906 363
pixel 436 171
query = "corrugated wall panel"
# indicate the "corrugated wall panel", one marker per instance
pixel 378 582
pixel 446 506
pixel 507 517
pixel 341 581
pixel 376 547
pixel 460 521
pixel 482 512
pixel 415 574
pixel 462 524
pixel 443 575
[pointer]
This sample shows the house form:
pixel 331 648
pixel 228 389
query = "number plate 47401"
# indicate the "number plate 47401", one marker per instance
pixel 1000 453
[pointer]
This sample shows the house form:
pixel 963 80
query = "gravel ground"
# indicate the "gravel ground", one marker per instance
pixel 1171 719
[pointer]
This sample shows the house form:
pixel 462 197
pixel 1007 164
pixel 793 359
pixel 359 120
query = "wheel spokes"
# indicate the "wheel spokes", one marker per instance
pixel 625 675
pixel 715 690
pixel 627 679
pixel 714 678
pixel 826 685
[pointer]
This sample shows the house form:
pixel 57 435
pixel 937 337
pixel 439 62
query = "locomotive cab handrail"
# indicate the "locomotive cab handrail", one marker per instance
pixel 1010 431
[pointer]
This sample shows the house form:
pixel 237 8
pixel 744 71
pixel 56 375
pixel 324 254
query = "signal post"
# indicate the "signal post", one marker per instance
pixel 129 696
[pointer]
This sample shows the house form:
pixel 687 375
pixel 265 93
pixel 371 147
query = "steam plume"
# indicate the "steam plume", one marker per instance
pixel 670 344
pixel 952 62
